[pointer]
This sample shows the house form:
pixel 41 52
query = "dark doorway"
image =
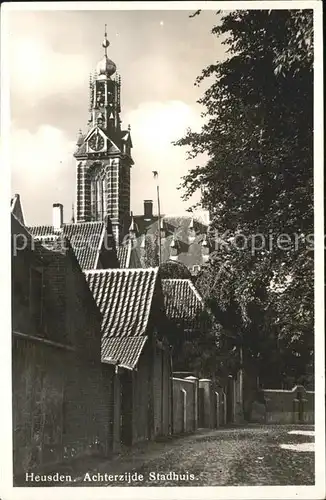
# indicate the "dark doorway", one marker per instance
pixel 126 408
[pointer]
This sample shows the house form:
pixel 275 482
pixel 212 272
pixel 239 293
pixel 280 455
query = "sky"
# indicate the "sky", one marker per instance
pixel 158 54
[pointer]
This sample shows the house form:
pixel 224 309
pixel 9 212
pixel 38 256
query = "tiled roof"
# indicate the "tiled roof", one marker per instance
pixel 125 351
pixel 123 253
pixel 85 239
pixel 128 257
pixel 124 297
pixel 16 208
pixel 183 303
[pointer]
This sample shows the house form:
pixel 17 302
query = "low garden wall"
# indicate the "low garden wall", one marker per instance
pixel 284 406
pixel 184 405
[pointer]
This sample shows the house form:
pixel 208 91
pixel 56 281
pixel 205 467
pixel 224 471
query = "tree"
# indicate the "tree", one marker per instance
pixel 174 270
pixel 258 186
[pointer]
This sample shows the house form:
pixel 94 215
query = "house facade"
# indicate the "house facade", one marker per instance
pixel 134 338
pixel 183 239
pixel 62 394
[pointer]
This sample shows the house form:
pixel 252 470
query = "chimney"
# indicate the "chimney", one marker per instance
pixel 57 215
pixel 148 209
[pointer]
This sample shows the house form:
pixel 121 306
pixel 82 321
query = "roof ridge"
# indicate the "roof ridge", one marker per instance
pixel 192 286
pixel 22 225
pixel 176 279
pixel 41 225
pixel 100 245
pixel 196 292
pixel 84 222
pixel 120 270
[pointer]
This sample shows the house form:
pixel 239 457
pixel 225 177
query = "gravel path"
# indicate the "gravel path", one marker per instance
pixel 237 457
pixel 255 455
pixel 230 457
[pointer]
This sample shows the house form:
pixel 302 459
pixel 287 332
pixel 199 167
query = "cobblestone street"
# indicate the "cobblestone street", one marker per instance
pixel 253 455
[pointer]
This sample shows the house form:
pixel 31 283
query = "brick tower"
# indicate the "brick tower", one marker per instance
pixel 103 154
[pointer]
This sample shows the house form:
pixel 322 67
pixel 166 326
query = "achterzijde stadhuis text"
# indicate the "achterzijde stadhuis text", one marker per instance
pixel 135 477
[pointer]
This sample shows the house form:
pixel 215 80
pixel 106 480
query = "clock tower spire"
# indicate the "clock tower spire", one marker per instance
pixel 103 153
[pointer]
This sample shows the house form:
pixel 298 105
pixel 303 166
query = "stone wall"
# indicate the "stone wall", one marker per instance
pixel 284 406
pixel 162 390
pixel 184 405
pixel 295 406
pixel 211 401
pixel 143 398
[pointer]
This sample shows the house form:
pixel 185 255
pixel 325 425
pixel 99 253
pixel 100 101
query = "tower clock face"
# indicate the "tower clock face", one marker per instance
pixel 96 142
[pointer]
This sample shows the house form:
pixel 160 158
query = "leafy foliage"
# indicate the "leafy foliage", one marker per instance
pixel 258 186
pixel 174 270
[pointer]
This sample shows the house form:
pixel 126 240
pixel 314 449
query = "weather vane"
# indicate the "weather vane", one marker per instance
pixel 105 42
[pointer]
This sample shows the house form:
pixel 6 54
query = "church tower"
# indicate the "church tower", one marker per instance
pixel 103 154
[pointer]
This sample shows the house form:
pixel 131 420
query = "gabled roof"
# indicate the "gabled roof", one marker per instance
pixel 18 228
pixel 52 258
pixel 124 351
pixel 123 253
pixel 128 257
pixel 86 239
pixel 17 208
pixel 183 303
pixel 124 297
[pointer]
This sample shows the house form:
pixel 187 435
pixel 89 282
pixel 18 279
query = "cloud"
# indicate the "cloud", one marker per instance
pixel 42 170
pixel 154 125
pixel 43 167
pixel 159 123
pixel 36 71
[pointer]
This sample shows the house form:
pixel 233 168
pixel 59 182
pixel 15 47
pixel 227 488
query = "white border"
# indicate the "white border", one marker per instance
pixel 248 492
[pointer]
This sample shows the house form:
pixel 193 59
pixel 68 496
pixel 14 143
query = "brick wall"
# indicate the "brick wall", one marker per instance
pixel 62 394
pixel 38 385
pixel 88 408
pixel 83 319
